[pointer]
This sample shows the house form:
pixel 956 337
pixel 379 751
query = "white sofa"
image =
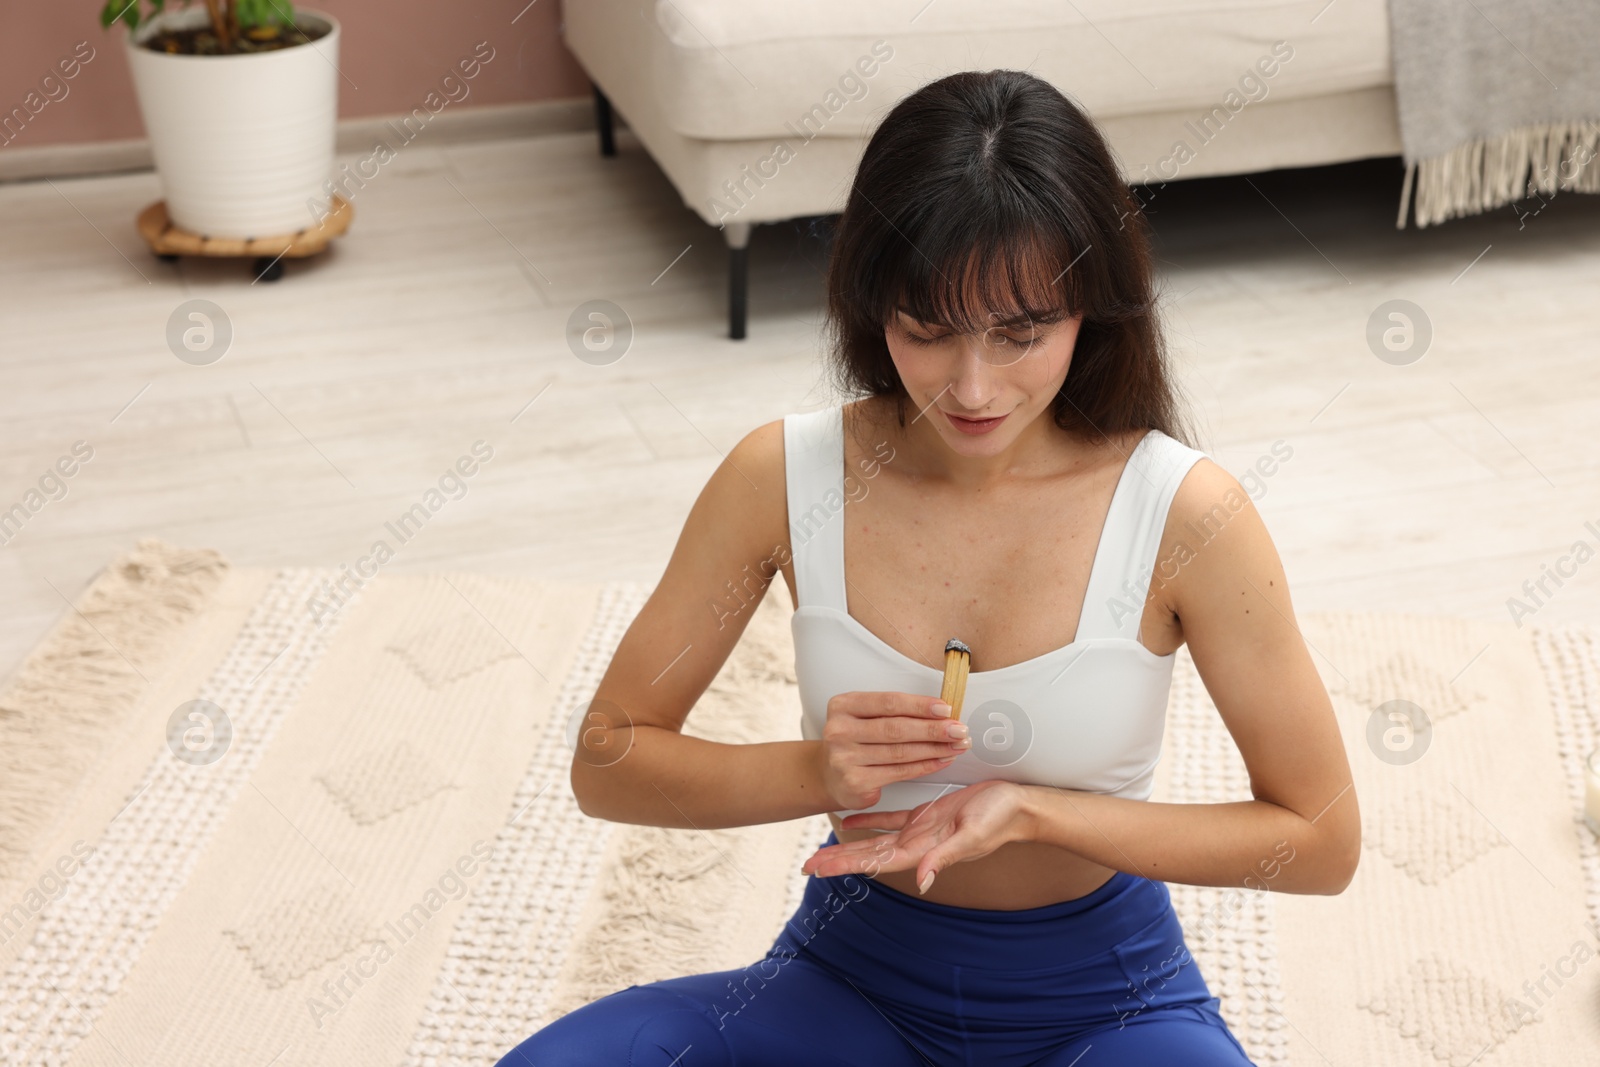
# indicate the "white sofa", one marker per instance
pixel 759 112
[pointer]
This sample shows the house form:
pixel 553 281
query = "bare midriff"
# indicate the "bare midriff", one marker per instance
pixel 1021 874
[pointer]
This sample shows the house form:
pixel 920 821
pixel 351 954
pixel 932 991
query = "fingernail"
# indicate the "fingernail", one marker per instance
pixel 941 708
pixel 927 880
pixel 957 729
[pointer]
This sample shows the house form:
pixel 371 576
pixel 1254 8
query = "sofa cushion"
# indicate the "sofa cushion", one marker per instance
pixel 733 69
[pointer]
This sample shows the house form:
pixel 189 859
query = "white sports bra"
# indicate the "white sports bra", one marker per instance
pixel 1087 716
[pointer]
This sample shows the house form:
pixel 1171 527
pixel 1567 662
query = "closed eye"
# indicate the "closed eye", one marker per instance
pixel 996 335
pixel 1018 340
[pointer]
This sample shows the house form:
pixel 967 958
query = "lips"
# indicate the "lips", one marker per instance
pixel 973 426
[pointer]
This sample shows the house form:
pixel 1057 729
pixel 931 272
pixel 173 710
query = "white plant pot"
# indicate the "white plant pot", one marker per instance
pixel 242 143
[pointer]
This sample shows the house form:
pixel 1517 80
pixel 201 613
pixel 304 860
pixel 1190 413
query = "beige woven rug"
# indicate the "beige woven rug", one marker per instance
pixel 378 860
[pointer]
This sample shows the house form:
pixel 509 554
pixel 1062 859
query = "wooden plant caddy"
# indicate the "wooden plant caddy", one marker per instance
pixel 169 241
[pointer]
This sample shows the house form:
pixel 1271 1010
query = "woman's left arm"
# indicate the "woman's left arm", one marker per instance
pixel 1232 600
pixel 1301 833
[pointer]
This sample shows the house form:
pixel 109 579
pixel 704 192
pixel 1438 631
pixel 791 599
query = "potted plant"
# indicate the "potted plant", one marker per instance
pixel 239 99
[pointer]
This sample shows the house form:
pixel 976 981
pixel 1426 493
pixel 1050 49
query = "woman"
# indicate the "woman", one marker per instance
pixel 994 888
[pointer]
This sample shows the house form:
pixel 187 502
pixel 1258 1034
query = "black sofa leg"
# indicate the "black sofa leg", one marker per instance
pixel 738 236
pixel 602 121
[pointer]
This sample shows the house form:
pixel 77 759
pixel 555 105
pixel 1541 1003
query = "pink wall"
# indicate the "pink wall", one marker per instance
pixel 394 53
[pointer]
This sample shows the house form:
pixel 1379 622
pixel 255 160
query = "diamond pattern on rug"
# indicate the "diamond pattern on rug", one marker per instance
pixel 297 935
pixel 1448 1010
pixel 380 782
pixel 450 650
pixel 495 982
pixel 1429 836
pixel 143 859
pixel 1405 676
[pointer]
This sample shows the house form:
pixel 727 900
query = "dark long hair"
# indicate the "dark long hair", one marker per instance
pixel 991 190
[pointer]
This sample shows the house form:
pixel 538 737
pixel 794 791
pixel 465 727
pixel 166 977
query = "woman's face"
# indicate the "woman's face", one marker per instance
pixel 1013 369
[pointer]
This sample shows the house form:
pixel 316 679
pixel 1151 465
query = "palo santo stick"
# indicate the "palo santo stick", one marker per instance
pixel 957 661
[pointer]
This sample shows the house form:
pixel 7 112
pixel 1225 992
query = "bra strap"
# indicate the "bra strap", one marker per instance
pixel 1126 557
pixel 813 461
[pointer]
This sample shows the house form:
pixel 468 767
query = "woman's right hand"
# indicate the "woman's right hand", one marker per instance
pixel 872 739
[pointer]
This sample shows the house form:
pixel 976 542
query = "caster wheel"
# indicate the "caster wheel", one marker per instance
pixel 268 270
pixel 167 257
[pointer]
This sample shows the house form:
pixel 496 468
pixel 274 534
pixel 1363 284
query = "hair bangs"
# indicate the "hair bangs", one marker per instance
pixel 969 281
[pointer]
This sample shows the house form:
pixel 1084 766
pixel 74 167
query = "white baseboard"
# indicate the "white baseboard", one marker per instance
pixel 485 123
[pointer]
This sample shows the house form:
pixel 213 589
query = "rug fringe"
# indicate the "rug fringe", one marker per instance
pixel 1488 172
pixel 54 715
pixel 658 915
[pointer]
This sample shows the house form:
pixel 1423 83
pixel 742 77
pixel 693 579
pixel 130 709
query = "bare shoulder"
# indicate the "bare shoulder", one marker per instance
pixel 762 501
pixel 1204 487
pixel 763 446
pixel 1215 543
pixel 747 500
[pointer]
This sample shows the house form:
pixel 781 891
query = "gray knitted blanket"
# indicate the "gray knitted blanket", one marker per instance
pixel 1499 100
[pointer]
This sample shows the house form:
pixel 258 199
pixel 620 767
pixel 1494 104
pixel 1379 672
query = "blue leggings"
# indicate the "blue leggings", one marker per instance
pixel 864 975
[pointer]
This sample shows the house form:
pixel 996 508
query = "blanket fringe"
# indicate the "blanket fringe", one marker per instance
pixel 1487 172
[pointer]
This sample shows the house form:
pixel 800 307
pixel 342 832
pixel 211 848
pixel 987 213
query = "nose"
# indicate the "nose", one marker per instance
pixel 973 379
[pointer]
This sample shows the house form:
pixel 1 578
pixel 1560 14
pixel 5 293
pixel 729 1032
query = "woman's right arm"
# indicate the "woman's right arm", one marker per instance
pixel 633 763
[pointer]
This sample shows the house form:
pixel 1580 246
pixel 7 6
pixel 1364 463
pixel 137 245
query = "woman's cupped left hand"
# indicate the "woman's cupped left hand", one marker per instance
pixel 963 825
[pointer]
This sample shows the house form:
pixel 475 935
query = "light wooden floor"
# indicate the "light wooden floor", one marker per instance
pixel 356 381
